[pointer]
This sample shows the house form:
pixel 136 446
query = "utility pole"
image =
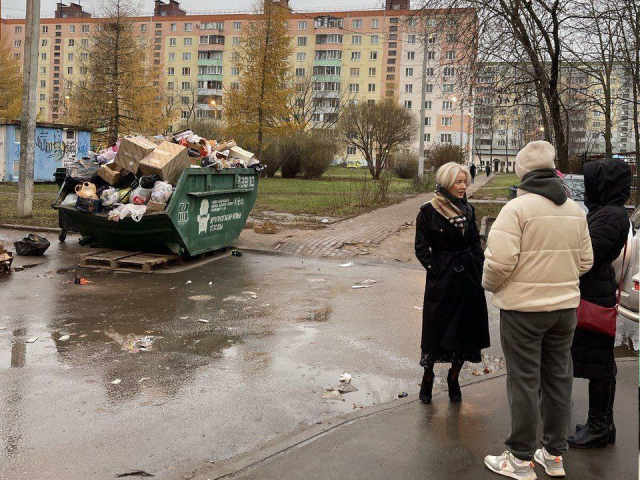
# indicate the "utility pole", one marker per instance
pixel 423 99
pixel 28 120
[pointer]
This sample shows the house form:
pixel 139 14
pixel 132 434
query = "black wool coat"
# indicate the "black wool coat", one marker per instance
pixel 454 316
pixel 607 188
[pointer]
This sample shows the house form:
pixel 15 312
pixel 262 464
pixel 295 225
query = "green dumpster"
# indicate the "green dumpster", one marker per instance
pixel 207 211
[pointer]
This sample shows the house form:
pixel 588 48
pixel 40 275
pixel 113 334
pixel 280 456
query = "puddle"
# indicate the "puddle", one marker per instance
pixel 321 315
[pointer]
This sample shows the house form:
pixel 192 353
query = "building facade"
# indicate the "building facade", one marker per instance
pixel 362 55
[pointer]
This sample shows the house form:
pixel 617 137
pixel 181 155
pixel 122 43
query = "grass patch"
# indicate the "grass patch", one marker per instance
pixel 43 196
pixel 497 187
pixel 486 210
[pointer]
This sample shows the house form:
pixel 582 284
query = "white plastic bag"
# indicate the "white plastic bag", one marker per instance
pixel 140 196
pixel 109 197
pixel 123 211
pixel 161 192
pixel 70 200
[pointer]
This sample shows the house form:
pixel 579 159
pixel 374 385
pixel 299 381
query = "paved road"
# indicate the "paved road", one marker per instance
pixel 204 391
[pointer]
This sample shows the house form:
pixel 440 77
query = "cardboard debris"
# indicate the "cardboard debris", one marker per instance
pixel 332 395
pixel 110 173
pixel 167 161
pixel 131 151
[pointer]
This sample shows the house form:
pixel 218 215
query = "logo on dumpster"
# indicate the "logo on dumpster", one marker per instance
pixel 203 217
pixel 183 212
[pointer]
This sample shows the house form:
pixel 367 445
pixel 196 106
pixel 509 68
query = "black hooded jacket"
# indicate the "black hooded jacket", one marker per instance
pixel 607 188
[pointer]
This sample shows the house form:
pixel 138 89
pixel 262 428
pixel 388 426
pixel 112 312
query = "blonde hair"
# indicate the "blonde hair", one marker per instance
pixel 447 174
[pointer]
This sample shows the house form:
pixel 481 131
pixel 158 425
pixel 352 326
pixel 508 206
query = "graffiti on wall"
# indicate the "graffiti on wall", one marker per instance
pixel 56 149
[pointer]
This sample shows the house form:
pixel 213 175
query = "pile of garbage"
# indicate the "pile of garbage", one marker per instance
pixel 138 174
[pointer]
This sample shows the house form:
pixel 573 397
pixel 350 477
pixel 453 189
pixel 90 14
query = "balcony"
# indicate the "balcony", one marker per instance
pixel 212 92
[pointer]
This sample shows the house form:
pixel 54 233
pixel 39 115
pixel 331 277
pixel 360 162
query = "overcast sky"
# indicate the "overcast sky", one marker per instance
pixel 17 7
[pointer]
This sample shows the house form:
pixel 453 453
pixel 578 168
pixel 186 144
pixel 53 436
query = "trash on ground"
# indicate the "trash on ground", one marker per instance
pixel 32 245
pixel 189 282
pixel 403 395
pixel 368 282
pixel 144 379
pixel 32 339
pixel 78 280
pixel 347 265
pixel 267 228
pixel 64 338
pixel 3 328
pixel 200 298
pixel 344 388
pixel 345 378
pixel 236 253
pixel 202 320
pixel 135 473
pixel 6 259
pixel 332 395
pixel 356 287
pixel 487 370
pixel 325 220
pixel 116 381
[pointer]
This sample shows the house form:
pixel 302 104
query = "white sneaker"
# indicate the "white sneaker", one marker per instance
pixel 507 465
pixel 553 465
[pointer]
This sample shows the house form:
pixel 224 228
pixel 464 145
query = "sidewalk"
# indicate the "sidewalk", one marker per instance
pixel 442 441
pixel 356 235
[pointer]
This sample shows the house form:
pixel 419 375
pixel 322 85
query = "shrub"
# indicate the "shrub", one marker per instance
pixel 440 153
pixel 405 165
pixel 317 155
pixel 289 149
pixel 271 159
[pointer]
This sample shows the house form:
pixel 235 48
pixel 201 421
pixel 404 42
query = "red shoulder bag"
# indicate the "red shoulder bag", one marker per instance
pixel 601 319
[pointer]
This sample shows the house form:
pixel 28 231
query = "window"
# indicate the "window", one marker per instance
pixel 17 30
pixel 354 88
pixel 407 104
pixel 411 39
pixel 186 71
pixel 43 56
pixel 302 25
pixel 72 42
pixel 372 87
pixel 372 71
pixel 356 40
pixel 43 84
pixel 235 71
pixel 186 56
pixel 84 43
pixel 143 27
pixel 235 41
pixel 375 39
pixel 355 56
pixel 302 41
pixel 301 57
pixel 427 105
pixel 450 37
pixel 69 70
pixel 447 121
pixel 84 70
pixel 174 27
pixel 413 22
pixel 172 42
pixel 357 23
pixel 210 70
pixel 501 143
pixel 427 137
pixel 45 29
pixel 411 55
pixel 449 71
pixel 185 85
pixel 45 42
pixel 354 72
pixel 170 85
pixel 72 29
pixel 70 57
pixel 300 72
pixel 158 25
pixel 43 70
pixel 427 121
pixel 431 55
pixel 408 88
pixel 188 42
pixel 171 71
pixel 450 55
pixel 58 27
pixel 446 105
pixel 447 88
pixel 408 72
pixel 43 97
pixel 375 23
pixel 188 27
pixel 373 56
pixel 184 114
pixel 445 138
pixel 172 57
pixel 17 43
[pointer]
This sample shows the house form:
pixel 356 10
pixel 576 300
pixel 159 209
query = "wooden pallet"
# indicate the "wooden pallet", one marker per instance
pixel 123 261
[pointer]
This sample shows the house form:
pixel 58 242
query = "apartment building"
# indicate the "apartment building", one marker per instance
pixel 359 55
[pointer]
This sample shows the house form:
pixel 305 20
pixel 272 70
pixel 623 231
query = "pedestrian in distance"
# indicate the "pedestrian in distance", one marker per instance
pixel 487 169
pixel 537 249
pixel 607 188
pixel 472 171
pixel 455 326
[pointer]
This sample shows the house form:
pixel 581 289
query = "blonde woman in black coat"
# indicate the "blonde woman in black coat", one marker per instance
pixel 455 326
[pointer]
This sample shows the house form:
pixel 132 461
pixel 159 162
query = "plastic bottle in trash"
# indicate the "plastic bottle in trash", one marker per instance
pixel 76 279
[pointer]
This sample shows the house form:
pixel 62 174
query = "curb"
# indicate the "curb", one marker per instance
pixel 29 228
pixel 289 442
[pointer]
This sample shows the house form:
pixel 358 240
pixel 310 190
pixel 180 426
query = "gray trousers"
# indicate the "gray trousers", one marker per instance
pixel 537 351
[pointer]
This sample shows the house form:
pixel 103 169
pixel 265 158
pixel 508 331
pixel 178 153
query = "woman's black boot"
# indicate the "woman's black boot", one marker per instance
pixel 455 394
pixel 595 433
pixel 426 387
pixel 611 426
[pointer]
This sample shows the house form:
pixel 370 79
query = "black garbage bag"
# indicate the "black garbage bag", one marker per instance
pixel 149 181
pixel 32 245
pixel 83 169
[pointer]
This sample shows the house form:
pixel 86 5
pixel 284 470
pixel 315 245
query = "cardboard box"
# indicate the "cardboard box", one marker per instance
pixel 131 151
pixel 110 173
pixel 240 154
pixel 155 207
pixel 167 161
pixel 225 145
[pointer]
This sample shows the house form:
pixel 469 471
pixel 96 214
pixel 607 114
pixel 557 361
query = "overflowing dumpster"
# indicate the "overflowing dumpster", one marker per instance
pixel 207 211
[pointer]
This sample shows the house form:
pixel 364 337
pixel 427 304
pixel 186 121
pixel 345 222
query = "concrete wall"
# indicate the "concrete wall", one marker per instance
pixel 55 147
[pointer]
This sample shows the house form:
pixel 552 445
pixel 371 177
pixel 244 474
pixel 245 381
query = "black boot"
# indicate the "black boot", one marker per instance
pixel 611 427
pixel 426 387
pixel 595 433
pixel 455 395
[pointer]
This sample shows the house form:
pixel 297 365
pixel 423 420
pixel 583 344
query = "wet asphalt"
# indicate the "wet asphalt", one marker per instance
pixel 206 370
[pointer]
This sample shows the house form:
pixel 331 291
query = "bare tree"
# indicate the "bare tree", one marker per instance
pixel 376 130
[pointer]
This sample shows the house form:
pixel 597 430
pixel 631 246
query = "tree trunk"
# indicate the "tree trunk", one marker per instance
pixel 636 127
pixel 263 75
